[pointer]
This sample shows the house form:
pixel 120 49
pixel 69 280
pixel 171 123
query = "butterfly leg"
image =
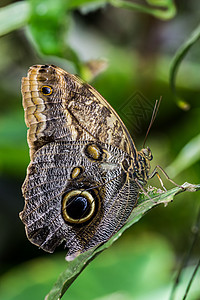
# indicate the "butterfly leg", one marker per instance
pixel 141 187
pixel 155 172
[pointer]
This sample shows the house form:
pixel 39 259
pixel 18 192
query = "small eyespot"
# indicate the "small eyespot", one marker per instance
pixel 76 172
pixel 46 90
pixel 94 152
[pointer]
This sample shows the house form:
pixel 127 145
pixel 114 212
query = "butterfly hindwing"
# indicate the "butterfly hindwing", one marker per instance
pixel 55 173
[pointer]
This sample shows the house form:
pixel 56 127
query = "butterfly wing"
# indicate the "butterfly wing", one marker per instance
pixel 50 178
pixel 77 187
pixel 73 110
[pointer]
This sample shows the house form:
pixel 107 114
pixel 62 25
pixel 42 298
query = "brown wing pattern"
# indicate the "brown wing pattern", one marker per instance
pixel 74 111
pixel 49 178
pixel 77 187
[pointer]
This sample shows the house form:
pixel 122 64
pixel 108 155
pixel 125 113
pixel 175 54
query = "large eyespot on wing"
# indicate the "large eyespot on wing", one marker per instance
pixel 116 210
pixel 101 197
pixel 61 196
pixel 79 206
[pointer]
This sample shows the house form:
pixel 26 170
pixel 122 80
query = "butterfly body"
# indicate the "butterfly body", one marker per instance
pixel 85 171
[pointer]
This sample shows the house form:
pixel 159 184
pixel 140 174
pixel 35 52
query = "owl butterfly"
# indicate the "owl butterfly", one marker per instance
pixel 85 172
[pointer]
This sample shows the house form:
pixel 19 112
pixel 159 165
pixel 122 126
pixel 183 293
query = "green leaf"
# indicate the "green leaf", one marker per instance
pixel 189 155
pixel 49 18
pixel 14 16
pixel 87 5
pixel 166 11
pixel 49 24
pixel 76 266
pixel 178 58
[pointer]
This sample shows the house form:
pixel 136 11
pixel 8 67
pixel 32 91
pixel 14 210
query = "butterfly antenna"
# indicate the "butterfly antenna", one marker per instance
pixel 154 114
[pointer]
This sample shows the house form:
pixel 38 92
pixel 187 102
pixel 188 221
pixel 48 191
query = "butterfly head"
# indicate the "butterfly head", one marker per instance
pixel 142 166
pixel 147 153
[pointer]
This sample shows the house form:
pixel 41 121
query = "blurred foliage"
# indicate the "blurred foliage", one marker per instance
pixel 181 53
pixel 104 276
pixel 189 155
pixel 139 268
pixel 127 56
pixel 19 11
pixel 49 20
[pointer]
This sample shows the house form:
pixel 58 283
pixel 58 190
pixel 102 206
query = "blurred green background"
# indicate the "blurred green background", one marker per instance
pixel 126 56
